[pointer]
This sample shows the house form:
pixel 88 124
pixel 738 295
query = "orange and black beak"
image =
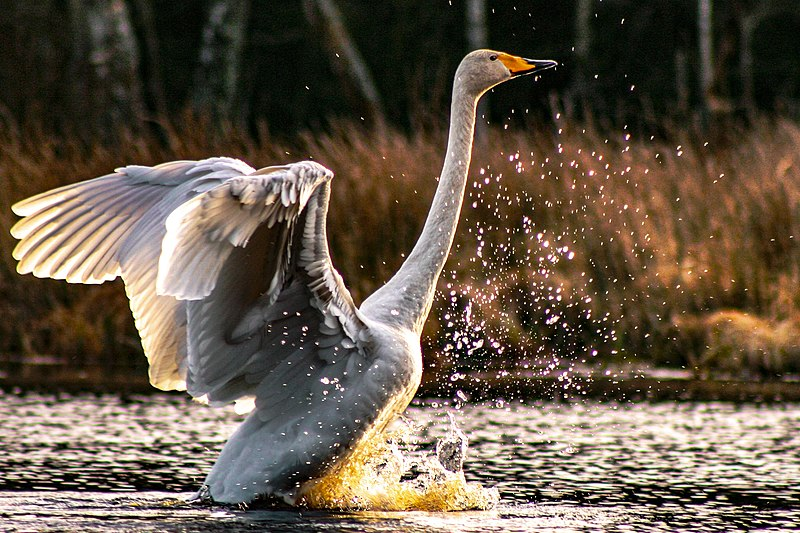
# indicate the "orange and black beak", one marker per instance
pixel 519 65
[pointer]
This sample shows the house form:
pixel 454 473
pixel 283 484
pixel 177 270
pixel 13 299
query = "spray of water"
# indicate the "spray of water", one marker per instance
pixel 392 473
pixel 527 306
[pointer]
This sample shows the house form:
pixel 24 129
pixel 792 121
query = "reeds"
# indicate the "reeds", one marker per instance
pixel 574 245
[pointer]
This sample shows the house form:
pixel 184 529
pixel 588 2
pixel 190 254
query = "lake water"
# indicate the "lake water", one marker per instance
pixel 103 462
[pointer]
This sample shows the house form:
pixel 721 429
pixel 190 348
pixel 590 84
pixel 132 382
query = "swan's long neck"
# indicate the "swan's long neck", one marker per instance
pixel 406 298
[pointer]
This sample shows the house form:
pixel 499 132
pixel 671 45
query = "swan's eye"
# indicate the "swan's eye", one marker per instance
pixel 493 57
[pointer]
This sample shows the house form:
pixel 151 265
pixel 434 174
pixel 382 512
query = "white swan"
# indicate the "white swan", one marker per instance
pixel 234 294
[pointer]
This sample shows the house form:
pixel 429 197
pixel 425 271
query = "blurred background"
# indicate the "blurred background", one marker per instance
pixel 636 208
pixel 297 65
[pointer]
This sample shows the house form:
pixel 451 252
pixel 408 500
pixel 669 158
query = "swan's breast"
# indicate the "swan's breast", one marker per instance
pixel 396 363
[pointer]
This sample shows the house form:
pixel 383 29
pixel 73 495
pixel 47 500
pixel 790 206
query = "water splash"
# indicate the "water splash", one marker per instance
pixel 392 473
pixel 553 265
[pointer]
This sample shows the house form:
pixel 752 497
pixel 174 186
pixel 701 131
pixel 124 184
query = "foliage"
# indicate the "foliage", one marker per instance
pixel 575 245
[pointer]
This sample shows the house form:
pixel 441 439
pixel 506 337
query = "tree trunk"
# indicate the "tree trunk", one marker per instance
pixel 216 80
pixel 583 32
pixel 477 31
pixel 682 81
pixel 706 51
pixel 105 49
pixel 478 37
pixel 575 96
pixel 345 57
pixel 748 27
pixel 150 62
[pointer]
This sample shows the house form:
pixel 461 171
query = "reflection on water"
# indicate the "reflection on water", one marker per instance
pixel 154 511
pixel 68 462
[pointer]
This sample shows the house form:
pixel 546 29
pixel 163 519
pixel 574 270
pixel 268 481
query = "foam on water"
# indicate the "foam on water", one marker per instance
pixel 389 473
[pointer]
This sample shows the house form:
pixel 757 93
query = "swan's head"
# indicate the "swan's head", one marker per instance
pixel 481 70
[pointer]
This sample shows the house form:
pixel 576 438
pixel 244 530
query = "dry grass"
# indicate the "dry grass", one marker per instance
pixel 573 244
pixel 733 344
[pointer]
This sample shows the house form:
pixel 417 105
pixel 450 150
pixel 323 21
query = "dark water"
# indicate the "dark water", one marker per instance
pixel 100 463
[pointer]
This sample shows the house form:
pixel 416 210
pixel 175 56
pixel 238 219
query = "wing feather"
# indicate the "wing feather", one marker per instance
pixel 227 270
pixel 274 303
pixel 95 230
pixel 202 232
pixel 60 225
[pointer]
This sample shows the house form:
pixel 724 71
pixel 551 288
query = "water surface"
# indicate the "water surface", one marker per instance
pixel 102 462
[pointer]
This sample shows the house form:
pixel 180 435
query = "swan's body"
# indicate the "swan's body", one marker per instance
pixel 234 294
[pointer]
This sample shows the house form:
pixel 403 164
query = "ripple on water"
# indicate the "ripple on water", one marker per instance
pixel 667 467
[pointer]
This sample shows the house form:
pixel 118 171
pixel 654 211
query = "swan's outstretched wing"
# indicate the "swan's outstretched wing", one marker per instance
pixel 76 232
pixel 96 230
pixel 177 231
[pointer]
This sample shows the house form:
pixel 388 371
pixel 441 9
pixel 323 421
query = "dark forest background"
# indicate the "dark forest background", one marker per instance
pixel 92 66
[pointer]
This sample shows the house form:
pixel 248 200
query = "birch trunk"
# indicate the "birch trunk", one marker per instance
pixel 706 51
pixel 576 94
pixel 216 80
pixel 478 37
pixel 346 60
pixel 106 51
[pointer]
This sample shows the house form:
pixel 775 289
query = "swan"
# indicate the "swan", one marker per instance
pixel 234 295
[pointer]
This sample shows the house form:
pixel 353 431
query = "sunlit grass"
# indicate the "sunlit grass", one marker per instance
pixel 574 245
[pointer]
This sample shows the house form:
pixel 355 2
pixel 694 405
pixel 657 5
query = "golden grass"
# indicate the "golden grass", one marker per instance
pixel 572 242
pixel 732 344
